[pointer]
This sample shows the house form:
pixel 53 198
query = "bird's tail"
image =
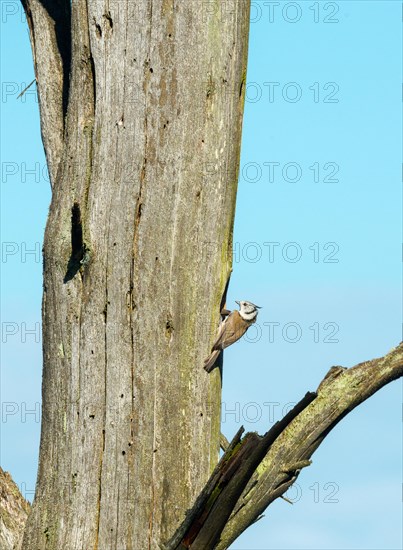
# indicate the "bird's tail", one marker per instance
pixel 209 363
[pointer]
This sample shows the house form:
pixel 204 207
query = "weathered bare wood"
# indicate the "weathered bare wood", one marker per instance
pixel 261 469
pixel 339 393
pixel 137 255
pixel 141 111
pixel 50 34
pixel 193 521
pixel 204 523
pixel 224 443
pixel 14 510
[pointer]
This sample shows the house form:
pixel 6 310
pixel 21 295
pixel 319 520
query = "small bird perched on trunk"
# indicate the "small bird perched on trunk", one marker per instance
pixel 232 329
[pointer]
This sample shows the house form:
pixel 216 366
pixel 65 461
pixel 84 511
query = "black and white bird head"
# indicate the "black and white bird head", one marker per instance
pixel 247 310
pixel 231 329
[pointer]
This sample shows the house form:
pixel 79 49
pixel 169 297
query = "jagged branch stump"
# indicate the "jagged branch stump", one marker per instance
pixel 255 470
pixel 208 517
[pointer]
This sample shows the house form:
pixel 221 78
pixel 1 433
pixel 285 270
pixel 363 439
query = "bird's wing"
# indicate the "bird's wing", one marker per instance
pixel 226 334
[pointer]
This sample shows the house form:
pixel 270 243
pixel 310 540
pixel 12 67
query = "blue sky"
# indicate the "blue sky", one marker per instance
pixel 320 180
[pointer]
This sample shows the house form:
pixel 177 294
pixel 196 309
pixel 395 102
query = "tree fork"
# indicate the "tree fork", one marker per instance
pixel 270 464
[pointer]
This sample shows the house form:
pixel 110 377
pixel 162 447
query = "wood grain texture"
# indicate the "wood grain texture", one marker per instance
pixel 256 470
pixel 206 520
pixel 339 393
pixel 147 177
pixel 49 24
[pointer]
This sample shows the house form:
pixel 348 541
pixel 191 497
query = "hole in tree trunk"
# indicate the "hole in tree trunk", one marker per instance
pixel 79 253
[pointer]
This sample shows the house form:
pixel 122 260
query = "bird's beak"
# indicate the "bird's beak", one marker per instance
pixel 259 307
pixel 236 301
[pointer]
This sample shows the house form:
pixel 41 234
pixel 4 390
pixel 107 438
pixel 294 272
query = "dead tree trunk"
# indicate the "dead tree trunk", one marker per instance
pixel 141 109
pixel 141 122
